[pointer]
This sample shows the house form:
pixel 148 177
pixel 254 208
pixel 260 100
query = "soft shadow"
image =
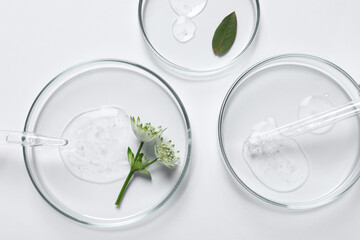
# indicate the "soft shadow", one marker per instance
pixel 241 63
pixel 173 202
pixel 3 162
pixel 7 158
pixel 255 201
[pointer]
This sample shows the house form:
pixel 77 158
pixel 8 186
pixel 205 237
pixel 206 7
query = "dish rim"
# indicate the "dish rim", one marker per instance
pixel 239 80
pixel 197 72
pixel 132 218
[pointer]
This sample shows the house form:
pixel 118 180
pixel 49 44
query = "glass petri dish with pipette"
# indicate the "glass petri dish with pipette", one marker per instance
pixel 179 33
pixel 289 131
pixel 86 111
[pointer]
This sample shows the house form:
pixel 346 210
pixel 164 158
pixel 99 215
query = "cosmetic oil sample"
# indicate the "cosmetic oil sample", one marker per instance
pixel 98 142
pixel 312 105
pixel 282 166
pixel 188 8
pixel 184 28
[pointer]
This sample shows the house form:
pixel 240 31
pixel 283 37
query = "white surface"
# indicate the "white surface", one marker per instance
pixel 39 39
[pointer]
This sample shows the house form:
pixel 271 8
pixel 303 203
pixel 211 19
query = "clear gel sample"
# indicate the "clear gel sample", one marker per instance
pixel 282 167
pixel 183 29
pixel 312 105
pixel 188 8
pixel 97 145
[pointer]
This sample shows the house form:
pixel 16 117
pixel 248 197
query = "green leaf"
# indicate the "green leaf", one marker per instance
pixel 146 172
pixel 224 35
pixel 141 157
pixel 138 162
pixel 130 157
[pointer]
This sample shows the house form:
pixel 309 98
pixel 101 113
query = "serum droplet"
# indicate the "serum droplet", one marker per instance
pixel 312 105
pixel 283 167
pixel 188 8
pixel 98 140
pixel 183 29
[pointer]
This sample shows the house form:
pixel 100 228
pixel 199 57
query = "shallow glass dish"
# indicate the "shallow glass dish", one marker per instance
pixel 90 85
pixel 275 87
pixel 195 57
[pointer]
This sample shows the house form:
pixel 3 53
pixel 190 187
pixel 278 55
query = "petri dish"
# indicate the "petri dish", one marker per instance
pixel 195 57
pixel 277 87
pixel 92 85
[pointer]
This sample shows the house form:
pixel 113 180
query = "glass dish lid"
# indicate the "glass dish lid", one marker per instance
pixel 102 87
pixel 179 32
pixel 301 172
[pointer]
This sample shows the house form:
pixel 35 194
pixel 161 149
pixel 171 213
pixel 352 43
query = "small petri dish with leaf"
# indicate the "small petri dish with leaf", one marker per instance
pixel 198 38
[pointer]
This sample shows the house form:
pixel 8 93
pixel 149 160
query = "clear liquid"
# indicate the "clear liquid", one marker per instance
pixel 282 167
pixel 98 142
pixel 188 8
pixel 312 105
pixel 183 29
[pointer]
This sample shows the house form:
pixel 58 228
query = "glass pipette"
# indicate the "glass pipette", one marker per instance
pixel 262 140
pixel 29 139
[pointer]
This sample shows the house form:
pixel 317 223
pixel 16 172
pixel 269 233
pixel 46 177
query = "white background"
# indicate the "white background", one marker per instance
pixel 39 39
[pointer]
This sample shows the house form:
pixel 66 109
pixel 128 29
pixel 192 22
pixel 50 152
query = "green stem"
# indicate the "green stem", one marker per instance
pixel 138 152
pixel 131 173
pixel 150 162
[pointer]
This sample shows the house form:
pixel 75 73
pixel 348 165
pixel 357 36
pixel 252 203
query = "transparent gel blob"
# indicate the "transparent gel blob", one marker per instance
pixel 312 105
pixel 188 8
pixel 282 167
pixel 98 142
pixel 183 29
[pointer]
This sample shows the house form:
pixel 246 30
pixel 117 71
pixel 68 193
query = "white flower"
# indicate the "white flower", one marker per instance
pixel 166 153
pixel 146 132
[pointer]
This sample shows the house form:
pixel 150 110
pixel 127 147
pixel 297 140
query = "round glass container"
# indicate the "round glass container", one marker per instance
pixel 88 86
pixel 276 88
pixel 196 57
